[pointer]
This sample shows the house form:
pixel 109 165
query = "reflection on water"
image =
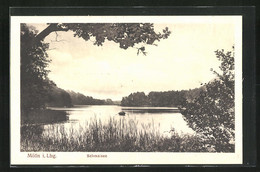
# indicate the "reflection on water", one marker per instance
pixel 163 119
pixel 157 110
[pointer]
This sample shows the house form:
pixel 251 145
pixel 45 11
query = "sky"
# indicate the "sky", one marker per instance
pixel 183 61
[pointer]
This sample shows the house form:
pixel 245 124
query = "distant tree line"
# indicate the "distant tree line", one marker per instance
pixel 162 98
pixel 80 99
pixel 57 97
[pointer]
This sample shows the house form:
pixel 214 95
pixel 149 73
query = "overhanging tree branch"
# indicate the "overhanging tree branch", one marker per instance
pixel 125 34
pixel 53 27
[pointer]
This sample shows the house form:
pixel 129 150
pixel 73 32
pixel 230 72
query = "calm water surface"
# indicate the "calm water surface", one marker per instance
pixel 162 119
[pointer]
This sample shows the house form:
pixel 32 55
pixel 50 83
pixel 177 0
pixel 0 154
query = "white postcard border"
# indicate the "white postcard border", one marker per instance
pixel 64 158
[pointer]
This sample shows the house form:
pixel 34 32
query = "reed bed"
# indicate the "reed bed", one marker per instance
pixel 116 135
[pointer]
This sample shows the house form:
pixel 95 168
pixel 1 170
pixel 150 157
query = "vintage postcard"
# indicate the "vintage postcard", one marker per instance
pixel 114 90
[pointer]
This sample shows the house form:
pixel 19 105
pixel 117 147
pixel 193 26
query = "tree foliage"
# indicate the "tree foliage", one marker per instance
pixel 162 99
pixel 80 99
pixel 125 34
pixel 212 113
pixel 135 99
pixel 34 73
pixel 58 97
pixel 167 98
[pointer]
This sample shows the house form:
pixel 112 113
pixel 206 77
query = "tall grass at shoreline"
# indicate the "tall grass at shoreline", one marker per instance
pixel 114 136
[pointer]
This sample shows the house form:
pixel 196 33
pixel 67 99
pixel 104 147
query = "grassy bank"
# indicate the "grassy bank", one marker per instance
pixel 42 116
pixel 115 136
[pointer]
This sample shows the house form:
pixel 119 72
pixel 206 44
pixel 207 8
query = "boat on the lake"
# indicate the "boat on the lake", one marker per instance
pixel 122 113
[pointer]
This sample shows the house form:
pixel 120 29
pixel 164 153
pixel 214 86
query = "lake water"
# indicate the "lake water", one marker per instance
pixel 162 119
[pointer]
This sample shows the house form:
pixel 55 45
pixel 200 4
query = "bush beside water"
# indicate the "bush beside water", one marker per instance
pixel 42 116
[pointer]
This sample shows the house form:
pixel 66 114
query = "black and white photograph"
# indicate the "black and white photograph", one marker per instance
pixel 126 89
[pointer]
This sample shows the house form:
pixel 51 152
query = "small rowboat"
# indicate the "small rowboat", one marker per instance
pixel 122 113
